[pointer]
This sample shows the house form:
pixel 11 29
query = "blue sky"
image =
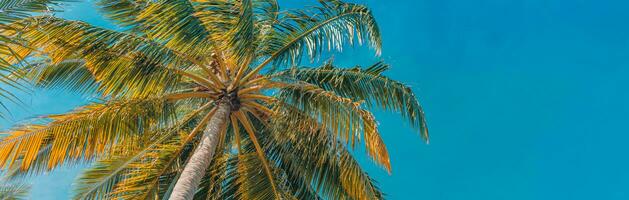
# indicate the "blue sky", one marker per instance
pixel 526 99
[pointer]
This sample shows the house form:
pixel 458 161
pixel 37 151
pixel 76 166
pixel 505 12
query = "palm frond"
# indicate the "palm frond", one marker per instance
pixel 330 26
pixel 252 182
pixel 314 159
pixel 239 27
pixel 219 17
pixel 13 191
pixel 342 116
pixel 87 132
pixel 68 74
pixel 155 178
pixel 242 43
pixel 258 149
pixel 182 31
pixel 368 85
pixel 120 62
pixel 102 179
pixel 152 161
pixel 13 10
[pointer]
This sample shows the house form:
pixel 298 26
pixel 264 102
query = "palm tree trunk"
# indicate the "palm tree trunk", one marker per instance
pixel 194 170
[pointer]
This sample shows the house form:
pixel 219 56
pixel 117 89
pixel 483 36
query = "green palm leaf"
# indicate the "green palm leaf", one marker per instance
pixel 342 116
pixel 330 26
pixel 121 63
pixel 182 31
pixel 85 133
pixel 365 84
pixel 13 191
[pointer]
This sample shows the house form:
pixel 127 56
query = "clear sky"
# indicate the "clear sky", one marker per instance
pixel 526 99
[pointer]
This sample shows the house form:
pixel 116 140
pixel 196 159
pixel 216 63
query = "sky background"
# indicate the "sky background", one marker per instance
pixel 526 99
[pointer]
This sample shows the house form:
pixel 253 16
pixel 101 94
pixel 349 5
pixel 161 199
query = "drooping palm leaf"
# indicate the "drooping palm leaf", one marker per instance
pixel 368 85
pixel 342 116
pixel 85 133
pixel 311 153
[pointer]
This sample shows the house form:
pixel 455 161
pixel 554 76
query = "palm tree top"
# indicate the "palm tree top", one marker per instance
pixel 178 66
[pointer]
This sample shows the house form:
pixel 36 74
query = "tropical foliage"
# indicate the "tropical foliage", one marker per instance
pixel 10 12
pixel 191 78
pixel 13 191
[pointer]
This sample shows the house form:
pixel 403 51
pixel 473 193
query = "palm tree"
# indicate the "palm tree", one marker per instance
pixel 207 99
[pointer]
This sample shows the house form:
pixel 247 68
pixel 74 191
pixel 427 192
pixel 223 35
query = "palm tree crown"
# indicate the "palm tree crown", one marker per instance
pixel 207 99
